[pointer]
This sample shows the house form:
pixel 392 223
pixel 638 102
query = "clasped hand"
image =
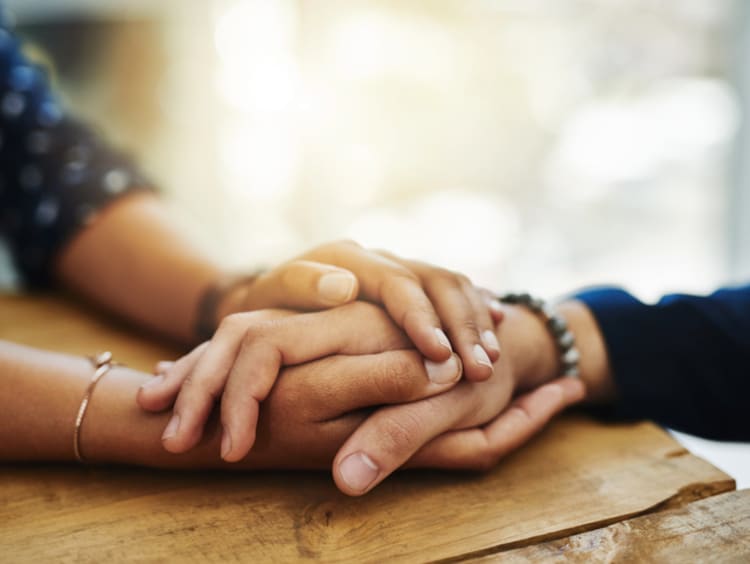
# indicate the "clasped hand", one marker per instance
pixel 371 392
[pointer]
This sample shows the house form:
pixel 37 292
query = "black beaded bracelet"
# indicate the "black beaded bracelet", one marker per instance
pixel 564 338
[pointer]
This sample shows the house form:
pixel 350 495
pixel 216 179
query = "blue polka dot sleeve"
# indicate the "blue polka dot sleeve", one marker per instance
pixel 55 173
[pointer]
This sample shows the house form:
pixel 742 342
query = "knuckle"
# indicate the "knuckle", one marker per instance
pixel 394 374
pixel 393 383
pixel 484 457
pixel 237 322
pixel 486 460
pixel 231 322
pixel 399 430
pixel 448 276
pixel 363 311
pixel 197 389
pixel 520 414
pixel 351 243
pixel 336 248
pixel 251 334
pixel 468 325
pixel 400 276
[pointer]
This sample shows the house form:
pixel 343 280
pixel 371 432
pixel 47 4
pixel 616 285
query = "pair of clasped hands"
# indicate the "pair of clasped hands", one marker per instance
pixel 359 357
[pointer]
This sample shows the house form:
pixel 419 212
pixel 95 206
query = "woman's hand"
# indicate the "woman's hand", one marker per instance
pixel 241 363
pixel 435 307
pixel 308 415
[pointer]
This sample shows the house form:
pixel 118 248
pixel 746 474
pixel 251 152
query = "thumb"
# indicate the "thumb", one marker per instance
pixel 303 284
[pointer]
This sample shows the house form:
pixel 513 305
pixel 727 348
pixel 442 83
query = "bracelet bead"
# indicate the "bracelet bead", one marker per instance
pixel 569 357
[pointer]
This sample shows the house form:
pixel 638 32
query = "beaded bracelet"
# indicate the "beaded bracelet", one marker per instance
pixel 563 337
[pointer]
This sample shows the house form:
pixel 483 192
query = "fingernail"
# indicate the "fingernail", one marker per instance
pixel 358 471
pixel 443 339
pixel 443 372
pixel 163 366
pixel 490 340
pixel 226 444
pixel 171 429
pixel 480 356
pixel 494 305
pixel 336 287
pixel 153 382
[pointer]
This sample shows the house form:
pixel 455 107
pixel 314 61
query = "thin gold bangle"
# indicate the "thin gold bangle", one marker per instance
pixel 102 363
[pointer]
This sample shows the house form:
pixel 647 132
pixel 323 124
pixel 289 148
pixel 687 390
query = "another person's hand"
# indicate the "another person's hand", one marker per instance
pixel 241 363
pixel 317 407
pixel 434 306
pixel 470 426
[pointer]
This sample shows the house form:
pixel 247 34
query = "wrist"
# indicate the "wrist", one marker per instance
pixel 226 295
pixel 117 430
pixel 594 362
pixel 528 346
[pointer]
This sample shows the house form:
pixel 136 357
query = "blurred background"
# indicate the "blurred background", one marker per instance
pixel 533 144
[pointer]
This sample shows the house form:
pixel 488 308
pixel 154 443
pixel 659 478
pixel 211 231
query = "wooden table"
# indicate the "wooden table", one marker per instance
pixel 581 491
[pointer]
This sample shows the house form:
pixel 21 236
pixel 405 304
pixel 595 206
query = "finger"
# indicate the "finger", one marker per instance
pixel 493 304
pixel 333 386
pixel 304 285
pixel 297 340
pixel 243 360
pixel 483 319
pixel 250 381
pixel 458 314
pixel 160 392
pixel 203 386
pixel 482 447
pixel 391 435
pixel 163 366
pixel 399 290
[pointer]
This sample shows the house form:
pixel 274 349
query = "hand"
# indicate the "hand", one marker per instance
pixel 470 426
pixel 423 300
pixel 308 415
pixel 241 363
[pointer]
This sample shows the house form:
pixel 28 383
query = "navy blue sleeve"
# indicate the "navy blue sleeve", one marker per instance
pixel 683 362
pixel 55 173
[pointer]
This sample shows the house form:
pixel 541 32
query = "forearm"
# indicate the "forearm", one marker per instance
pixel 40 394
pixel 535 358
pixel 135 263
pixel 682 361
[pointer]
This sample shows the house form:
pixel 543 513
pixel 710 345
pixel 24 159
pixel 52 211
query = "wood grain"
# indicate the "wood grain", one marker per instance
pixel 55 324
pixel 715 530
pixel 577 476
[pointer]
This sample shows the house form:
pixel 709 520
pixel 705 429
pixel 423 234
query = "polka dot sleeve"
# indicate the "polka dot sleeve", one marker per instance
pixel 55 173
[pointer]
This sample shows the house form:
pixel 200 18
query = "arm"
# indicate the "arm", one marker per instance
pixel 73 209
pixel 305 419
pixel 475 424
pixel 682 362
pixel 77 212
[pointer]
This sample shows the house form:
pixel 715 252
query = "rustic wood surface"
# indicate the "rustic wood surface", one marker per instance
pixel 716 529
pixel 577 476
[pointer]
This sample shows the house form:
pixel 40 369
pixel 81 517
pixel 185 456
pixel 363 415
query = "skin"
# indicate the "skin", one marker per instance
pixel 313 410
pixel 474 424
pixel 128 259
pixel 320 412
